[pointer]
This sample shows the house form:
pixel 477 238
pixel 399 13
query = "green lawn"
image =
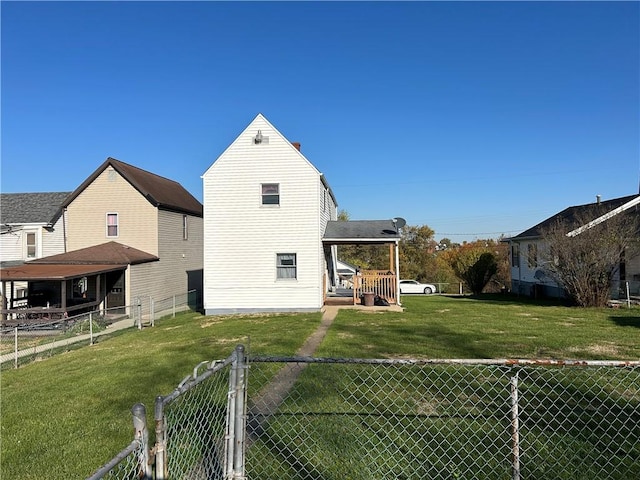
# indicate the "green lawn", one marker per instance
pixel 63 417
pixel 485 327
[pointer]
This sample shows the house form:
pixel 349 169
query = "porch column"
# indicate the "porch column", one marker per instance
pixel 391 260
pixel 63 294
pixel 397 275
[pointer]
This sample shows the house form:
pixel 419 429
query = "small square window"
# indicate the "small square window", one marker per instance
pixel 270 194
pixel 287 266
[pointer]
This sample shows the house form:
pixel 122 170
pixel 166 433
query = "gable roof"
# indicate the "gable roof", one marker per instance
pixel 360 231
pixel 112 253
pixel 24 208
pixel 295 147
pixel 161 192
pixel 571 215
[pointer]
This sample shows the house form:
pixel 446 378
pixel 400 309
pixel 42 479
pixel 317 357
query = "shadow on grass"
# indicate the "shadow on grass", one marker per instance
pixel 626 321
pixel 513 299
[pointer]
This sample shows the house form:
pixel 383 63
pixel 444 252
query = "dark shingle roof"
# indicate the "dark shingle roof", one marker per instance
pixel 571 215
pixel 106 253
pixel 161 192
pixel 361 231
pixel 22 208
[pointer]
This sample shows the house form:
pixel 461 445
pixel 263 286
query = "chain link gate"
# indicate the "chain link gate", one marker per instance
pixel 361 419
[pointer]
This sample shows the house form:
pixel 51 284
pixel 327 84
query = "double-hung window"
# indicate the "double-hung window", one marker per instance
pixel 286 266
pixel 112 224
pixel 31 244
pixel 515 255
pixel 185 228
pixel 532 255
pixel 270 194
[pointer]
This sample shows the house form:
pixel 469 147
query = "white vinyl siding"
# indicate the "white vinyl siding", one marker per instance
pixel 242 238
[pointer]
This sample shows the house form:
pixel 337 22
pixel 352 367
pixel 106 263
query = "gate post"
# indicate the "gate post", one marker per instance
pixel 236 417
pixel 161 458
pixel 142 435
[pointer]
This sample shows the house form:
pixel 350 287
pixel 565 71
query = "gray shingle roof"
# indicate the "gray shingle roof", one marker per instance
pixel 21 208
pixel 570 215
pixel 361 231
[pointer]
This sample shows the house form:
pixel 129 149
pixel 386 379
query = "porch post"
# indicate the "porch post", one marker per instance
pixel 397 274
pixel 63 295
pixel 391 261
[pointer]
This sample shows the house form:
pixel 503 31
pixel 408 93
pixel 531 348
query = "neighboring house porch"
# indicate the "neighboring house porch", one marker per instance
pixel 64 285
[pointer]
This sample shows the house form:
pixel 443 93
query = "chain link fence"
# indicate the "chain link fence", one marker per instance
pixel 24 340
pixel 309 418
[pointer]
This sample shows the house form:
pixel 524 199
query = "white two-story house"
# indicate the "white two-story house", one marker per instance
pixel 266 208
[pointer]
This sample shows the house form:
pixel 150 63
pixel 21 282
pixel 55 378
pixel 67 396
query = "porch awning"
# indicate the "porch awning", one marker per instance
pixel 34 271
pixel 361 232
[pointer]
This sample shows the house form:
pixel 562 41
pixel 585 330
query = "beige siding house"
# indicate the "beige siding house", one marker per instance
pixel 131 236
pixel 133 207
pixel 266 208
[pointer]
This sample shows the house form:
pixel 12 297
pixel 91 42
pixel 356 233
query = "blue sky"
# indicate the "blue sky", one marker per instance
pixel 474 118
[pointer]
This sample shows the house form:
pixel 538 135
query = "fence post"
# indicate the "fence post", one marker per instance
pixel 152 312
pixel 628 296
pixel 15 345
pixel 238 461
pixel 161 458
pixel 515 429
pixel 141 434
pixel 90 328
pixel 235 438
pixel 174 307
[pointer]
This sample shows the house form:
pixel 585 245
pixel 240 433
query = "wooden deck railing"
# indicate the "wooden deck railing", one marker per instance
pixel 380 282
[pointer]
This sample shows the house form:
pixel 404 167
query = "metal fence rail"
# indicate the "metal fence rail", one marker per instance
pixel 309 418
pixel 24 342
pixel 133 461
pixel 369 419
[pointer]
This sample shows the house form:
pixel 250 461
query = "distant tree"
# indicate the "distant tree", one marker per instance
pixel 417 253
pixel 585 261
pixel 473 263
pixel 446 244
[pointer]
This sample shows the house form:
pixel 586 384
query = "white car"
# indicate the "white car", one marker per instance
pixel 412 286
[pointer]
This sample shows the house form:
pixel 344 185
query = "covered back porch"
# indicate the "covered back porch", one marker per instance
pixel 362 287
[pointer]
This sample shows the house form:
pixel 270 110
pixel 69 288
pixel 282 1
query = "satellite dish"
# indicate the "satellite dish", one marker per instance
pixel 399 222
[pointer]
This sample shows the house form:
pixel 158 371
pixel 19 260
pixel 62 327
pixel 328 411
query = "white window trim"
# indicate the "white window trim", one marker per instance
pixel 185 227
pixel 295 267
pixel 25 235
pixel 262 195
pixel 106 226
